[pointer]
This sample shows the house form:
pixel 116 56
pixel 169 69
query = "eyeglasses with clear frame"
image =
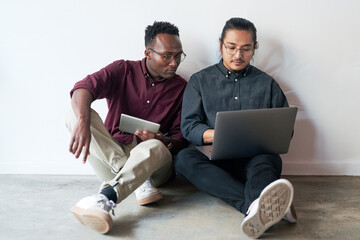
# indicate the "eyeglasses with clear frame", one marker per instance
pixel 246 52
pixel 169 58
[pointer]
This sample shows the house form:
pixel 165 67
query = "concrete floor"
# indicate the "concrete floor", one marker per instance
pixel 37 207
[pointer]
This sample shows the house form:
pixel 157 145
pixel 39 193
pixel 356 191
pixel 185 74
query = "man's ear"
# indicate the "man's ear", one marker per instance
pixel 147 54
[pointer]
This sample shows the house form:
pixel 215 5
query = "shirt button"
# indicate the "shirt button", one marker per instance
pixel 148 101
pixel 235 79
pixel 236 98
pixel 153 84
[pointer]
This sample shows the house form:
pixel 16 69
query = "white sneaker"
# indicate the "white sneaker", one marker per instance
pixel 269 208
pixel 147 193
pixel 290 216
pixel 93 211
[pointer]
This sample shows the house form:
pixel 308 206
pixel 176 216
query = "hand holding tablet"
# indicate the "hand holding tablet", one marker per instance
pixel 130 124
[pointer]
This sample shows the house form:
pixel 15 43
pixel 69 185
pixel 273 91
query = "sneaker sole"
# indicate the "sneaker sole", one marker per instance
pixel 151 199
pixel 274 202
pixel 94 219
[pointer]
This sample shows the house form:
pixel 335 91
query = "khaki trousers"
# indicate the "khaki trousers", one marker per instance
pixel 124 167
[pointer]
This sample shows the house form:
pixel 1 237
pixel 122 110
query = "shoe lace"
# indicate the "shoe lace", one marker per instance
pixel 107 204
pixel 145 185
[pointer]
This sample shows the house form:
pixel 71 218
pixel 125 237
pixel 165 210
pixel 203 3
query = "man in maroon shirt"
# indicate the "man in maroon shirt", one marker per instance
pixel 147 89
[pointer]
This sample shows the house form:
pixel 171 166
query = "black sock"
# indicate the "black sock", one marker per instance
pixel 110 193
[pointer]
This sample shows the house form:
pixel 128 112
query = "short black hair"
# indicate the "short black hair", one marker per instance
pixel 159 27
pixel 239 24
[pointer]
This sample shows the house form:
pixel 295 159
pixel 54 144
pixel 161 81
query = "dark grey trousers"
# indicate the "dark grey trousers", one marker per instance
pixel 237 182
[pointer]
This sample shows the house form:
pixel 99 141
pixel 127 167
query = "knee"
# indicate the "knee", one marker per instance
pixel 155 145
pixel 71 118
pixel 272 162
pixel 155 148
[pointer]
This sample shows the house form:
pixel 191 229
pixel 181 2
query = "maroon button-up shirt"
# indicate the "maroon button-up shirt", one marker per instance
pixel 128 88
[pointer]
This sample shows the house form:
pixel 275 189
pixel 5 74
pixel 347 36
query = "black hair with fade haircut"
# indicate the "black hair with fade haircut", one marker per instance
pixel 239 24
pixel 152 31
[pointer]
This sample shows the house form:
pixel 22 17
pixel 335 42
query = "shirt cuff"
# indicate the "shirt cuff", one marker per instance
pixel 198 134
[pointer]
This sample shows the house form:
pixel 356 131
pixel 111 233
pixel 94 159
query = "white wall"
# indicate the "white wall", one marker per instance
pixel 311 48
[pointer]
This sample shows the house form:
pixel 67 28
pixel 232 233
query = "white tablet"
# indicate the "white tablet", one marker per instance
pixel 130 124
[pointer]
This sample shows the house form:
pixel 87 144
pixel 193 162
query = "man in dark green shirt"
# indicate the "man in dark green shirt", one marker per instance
pixel 252 186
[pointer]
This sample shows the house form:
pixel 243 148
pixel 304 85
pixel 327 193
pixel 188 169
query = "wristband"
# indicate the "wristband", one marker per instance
pixel 170 145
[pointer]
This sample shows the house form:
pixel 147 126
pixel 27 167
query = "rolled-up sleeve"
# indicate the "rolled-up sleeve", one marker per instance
pixel 101 84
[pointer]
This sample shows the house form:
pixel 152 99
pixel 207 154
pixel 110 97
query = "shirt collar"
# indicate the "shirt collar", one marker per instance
pixel 146 73
pixel 228 73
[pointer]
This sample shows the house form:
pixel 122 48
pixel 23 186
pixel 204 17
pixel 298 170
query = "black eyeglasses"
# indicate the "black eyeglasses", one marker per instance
pixel 169 58
pixel 246 52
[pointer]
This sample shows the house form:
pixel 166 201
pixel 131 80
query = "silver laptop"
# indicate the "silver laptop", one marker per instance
pixel 247 133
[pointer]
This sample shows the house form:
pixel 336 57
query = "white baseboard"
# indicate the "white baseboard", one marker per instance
pixel 350 168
